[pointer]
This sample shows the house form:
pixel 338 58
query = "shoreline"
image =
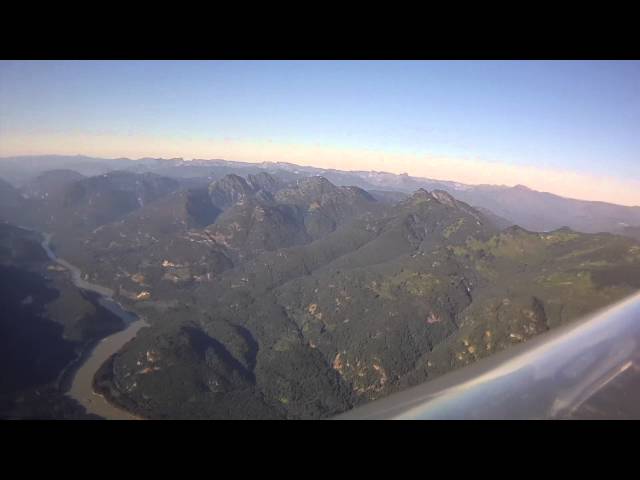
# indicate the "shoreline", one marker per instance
pixel 77 381
pixel 102 386
pixel 83 387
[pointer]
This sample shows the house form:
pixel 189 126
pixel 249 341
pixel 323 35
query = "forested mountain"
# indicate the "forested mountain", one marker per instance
pixel 272 293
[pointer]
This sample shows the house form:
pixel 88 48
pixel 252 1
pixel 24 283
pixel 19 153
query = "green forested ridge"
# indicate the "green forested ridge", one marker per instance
pixel 277 298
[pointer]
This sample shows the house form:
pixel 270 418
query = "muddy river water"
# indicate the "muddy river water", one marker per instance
pixel 82 385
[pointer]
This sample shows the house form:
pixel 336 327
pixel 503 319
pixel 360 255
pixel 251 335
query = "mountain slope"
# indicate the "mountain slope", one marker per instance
pixel 12 204
pixel 46 323
pixel 385 301
pixel 52 183
pixel 192 236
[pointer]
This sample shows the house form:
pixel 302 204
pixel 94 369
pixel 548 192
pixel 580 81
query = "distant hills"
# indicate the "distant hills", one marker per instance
pixel 519 205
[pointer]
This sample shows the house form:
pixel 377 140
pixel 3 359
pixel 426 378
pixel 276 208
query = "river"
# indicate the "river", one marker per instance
pixel 82 385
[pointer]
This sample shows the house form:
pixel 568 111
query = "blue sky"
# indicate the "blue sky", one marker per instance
pixel 580 117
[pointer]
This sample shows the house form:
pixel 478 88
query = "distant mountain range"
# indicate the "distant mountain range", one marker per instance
pixel 519 205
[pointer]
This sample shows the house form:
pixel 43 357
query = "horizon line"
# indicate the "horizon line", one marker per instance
pixel 183 159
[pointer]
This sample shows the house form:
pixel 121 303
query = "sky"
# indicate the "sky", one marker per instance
pixel 567 127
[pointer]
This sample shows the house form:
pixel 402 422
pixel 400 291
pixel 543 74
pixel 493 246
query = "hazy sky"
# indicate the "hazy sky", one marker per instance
pixel 572 128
